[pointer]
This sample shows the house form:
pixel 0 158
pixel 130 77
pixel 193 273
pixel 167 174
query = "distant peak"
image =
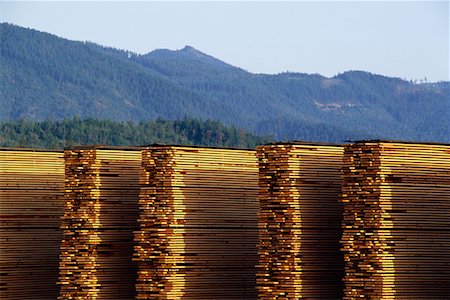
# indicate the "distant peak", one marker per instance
pixel 191 50
pixel 188 53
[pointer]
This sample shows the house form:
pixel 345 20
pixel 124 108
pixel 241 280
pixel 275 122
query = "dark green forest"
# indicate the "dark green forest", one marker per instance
pixel 73 132
pixel 44 77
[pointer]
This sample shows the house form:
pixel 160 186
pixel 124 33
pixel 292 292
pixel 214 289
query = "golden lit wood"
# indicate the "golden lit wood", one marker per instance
pixel 198 220
pixel 396 223
pixel 101 211
pixel 31 206
pixel 299 221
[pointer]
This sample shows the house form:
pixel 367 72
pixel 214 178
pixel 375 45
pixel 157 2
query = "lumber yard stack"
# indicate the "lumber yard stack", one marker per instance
pixel 198 224
pixel 396 239
pixel 31 206
pixel 101 212
pixel 300 221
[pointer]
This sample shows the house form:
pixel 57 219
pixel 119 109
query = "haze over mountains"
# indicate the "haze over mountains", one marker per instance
pixel 44 77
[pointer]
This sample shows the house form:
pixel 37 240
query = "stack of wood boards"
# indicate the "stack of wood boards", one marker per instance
pixel 300 222
pixel 199 226
pixel 31 205
pixel 396 223
pixel 101 212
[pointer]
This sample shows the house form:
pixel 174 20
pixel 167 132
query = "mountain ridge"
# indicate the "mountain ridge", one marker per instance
pixel 61 79
pixel 186 53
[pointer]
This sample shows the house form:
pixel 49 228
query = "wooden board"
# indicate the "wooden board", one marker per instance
pixel 101 212
pixel 299 222
pixel 396 239
pixel 198 224
pixel 31 206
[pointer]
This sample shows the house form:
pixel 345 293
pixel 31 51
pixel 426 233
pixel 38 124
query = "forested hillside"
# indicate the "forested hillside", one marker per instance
pixel 45 77
pixel 60 134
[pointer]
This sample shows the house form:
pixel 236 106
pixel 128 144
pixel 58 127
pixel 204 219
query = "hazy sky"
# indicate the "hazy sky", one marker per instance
pixel 402 39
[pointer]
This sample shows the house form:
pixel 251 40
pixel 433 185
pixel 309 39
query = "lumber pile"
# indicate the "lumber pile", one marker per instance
pixel 300 222
pixel 31 205
pixel 198 224
pixel 100 216
pixel 396 239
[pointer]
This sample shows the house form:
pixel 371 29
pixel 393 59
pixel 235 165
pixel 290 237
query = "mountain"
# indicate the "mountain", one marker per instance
pixel 44 77
pixel 187 55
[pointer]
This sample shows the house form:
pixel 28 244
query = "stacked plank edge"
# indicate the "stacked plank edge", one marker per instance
pixel 198 224
pixel 396 239
pixel 300 222
pixel 100 216
pixel 170 222
pixel 31 192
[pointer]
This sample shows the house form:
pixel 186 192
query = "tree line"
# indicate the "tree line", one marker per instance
pixel 77 131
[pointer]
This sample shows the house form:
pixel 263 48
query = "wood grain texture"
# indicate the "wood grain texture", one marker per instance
pixel 31 206
pixel 396 239
pixel 299 222
pixel 198 224
pixel 101 212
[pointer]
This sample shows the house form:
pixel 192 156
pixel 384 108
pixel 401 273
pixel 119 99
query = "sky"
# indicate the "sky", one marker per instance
pixel 400 39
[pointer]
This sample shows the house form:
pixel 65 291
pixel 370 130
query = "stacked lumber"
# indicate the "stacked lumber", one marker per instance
pixel 198 224
pixel 101 212
pixel 31 205
pixel 300 221
pixel 396 239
